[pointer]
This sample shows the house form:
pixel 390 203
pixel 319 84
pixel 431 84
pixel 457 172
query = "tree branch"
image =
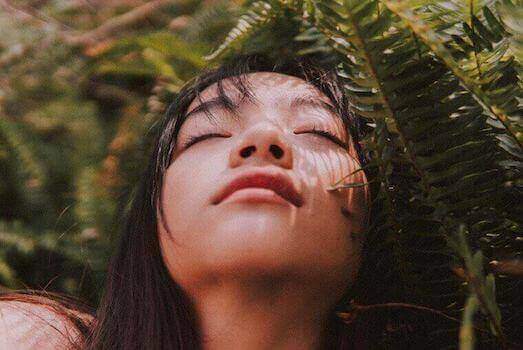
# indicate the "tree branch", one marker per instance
pixel 117 23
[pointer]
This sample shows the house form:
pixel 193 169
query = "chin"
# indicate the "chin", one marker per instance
pixel 270 246
pixel 251 231
pixel 251 236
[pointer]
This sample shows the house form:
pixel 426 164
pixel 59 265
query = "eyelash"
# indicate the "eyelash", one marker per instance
pixel 329 136
pixel 194 139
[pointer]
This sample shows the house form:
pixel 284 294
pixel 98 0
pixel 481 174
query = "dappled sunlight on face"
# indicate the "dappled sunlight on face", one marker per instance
pixel 208 241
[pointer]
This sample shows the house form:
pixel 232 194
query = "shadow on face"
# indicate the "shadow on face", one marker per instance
pixel 288 130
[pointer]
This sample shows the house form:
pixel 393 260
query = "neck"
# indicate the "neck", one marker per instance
pixel 262 313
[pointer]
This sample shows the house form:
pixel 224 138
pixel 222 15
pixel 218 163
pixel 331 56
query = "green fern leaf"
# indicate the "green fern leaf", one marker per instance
pixel 259 14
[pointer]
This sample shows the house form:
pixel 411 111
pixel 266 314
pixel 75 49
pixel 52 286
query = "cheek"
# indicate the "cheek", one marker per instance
pixel 188 185
pixel 175 200
pixel 327 167
pixel 323 213
pixel 324 169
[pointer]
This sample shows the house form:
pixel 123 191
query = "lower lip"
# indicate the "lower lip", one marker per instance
pixel 255 195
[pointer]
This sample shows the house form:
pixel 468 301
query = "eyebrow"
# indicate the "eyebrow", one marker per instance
pixel 219 103
pixel 312 102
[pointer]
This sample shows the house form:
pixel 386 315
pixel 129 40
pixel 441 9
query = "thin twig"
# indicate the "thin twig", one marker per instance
pixel 510 267
pixel 117 23
pixel 29 13
pixel 358 307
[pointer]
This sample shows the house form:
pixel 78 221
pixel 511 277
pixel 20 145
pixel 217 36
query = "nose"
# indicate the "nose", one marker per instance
pixel 262 144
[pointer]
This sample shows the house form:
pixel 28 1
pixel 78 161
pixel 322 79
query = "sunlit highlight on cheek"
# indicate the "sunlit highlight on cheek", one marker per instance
pixel 326 167
pixel 309 165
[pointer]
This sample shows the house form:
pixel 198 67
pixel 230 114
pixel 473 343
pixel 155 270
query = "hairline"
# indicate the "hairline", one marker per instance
pixel 230 79
pixel 319 102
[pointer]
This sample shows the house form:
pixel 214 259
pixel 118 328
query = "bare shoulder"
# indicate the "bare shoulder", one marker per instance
pixel 27 325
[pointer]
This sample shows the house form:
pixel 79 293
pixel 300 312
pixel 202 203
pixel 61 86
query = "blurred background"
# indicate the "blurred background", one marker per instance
pixel 81 84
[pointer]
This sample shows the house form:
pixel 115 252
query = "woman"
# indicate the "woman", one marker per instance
pixel 234 239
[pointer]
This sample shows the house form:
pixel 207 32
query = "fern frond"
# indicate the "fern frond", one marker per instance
pixel 381 66
pixel 259 15
pixel 493 99
pixel 210 22
pixel 315 41
pixel 430 134
pixel 511 14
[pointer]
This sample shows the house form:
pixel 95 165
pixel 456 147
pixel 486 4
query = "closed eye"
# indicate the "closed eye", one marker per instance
pixel 327 135
pixel 194 139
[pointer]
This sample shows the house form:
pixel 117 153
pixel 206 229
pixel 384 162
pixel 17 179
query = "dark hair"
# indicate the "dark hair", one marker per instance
pixel 142 306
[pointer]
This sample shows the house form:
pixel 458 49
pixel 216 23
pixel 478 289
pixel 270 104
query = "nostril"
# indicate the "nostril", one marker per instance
pixel 277 151
pixel 247 151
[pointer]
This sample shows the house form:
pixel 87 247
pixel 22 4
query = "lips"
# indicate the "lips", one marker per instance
pixel 277 181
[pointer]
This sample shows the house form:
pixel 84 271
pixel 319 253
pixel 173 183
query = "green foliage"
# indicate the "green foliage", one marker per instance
pixel 74 118
pixel 258 16
pixel 437 83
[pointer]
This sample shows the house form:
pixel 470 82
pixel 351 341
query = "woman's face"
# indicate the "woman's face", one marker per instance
pixel 244 235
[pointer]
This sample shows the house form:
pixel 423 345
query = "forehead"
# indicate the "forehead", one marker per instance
pixel 267 87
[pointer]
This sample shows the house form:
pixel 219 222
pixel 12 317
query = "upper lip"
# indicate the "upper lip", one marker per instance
pixel 262 178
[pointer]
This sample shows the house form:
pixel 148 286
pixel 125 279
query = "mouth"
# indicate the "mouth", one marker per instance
pixel 280 185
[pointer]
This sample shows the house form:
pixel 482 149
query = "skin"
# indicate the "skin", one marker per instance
pixel 26 326
pixel 263 275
